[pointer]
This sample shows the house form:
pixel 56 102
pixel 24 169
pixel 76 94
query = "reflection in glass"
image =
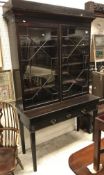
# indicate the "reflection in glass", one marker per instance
pixel 75 49
pixel 39 61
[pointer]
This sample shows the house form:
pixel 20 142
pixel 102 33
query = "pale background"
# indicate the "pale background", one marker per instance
pixel 69 3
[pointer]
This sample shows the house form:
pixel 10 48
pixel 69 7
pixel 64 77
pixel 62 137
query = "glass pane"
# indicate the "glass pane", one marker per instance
pixel 39 61
pixel 75 56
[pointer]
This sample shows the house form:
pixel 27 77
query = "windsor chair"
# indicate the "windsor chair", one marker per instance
pixel 9 132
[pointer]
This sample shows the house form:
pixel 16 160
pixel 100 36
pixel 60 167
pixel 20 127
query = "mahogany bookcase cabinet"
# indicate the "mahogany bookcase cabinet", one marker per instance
pixel 53 46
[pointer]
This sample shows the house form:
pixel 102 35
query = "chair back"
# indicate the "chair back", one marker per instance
pixel 9 131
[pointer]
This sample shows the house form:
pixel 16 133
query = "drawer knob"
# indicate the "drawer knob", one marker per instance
pixel 68 116
pixel 53 121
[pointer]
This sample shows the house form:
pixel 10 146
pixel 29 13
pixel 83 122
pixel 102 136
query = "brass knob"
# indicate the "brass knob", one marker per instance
pixel 68 116
pixel 53 121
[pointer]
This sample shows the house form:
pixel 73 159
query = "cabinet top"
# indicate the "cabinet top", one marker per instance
pixel 71 104
pixel 34 7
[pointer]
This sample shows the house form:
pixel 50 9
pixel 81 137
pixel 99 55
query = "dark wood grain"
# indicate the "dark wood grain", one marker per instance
pixel 38 110
pixel 35 119
pixel 46 9
pixel 59 106
pixel 79 160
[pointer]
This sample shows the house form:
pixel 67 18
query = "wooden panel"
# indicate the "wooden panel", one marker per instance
pixel 80 160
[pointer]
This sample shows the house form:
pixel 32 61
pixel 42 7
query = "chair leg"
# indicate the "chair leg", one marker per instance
pixel 19 162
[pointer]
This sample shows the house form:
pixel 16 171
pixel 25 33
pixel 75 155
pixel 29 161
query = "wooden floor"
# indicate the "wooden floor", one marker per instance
pixel 79 160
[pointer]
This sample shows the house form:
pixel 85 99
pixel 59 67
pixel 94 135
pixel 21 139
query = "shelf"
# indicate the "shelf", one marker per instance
pixel 27 90
pixel 24 61
pixel 55 63
pixel 78 81
pixel 71 36
pixel 73 64
pixel 81 45
pixel 54 36
pixel 72 81
pixel 47 46
pixel 72 93
pixel 77 55
pixel 65 73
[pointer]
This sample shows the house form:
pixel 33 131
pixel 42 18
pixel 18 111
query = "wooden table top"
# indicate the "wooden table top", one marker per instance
pixel 75 102
pixel 79 160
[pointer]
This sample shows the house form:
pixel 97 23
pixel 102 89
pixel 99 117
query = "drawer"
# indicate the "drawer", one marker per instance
pixel 50 119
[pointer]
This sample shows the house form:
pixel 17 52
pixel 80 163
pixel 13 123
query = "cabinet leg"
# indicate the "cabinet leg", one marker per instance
pixel 90 127
pixel 33 149
pixel 22 136
pixel 78 123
